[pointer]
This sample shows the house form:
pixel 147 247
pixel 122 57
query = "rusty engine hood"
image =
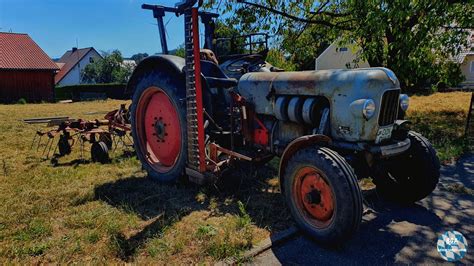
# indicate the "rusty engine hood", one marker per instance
pixel 339 86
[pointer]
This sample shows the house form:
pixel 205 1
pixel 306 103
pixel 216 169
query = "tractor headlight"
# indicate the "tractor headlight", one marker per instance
pixel 368 109
pixel 404 102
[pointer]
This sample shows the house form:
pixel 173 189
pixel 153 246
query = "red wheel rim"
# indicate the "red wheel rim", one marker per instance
pixel 158 129
pixel 314 197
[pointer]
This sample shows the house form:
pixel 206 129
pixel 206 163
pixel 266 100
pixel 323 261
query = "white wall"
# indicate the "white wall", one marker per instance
pixel 74 76
pixel 339 56
pixel 467 68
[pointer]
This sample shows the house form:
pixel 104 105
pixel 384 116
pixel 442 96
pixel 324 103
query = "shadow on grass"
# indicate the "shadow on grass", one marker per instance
pixel 115 158
pixel 161 205
pixel 74 163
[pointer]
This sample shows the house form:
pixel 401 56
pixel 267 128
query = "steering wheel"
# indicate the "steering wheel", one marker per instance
pixel 244 63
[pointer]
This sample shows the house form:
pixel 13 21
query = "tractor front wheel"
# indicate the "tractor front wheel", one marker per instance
pixel 323 195
pixel 410 176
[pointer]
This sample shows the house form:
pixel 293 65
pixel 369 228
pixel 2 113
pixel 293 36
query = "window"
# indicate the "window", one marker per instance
pixel 343 49
pixel 472 67
pixel 91 59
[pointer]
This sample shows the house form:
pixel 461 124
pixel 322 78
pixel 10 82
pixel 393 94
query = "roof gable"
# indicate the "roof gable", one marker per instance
pixel 70 59
pixel 19 51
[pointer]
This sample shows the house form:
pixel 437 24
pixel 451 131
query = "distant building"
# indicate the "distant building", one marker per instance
pixel 26 71
pixel 466 59
pixel 338 56
pixel 72 63
pixel 129 63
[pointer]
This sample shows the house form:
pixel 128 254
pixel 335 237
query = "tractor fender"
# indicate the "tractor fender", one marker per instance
pixel 173 67
pixel 169 64
pixel 294 146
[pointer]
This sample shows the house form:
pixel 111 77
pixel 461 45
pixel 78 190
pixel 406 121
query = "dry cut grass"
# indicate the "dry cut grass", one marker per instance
pixel 88 212
pixel 441 117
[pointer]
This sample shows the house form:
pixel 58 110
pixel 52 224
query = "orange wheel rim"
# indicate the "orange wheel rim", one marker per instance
pixel 158 129
pixel 314 196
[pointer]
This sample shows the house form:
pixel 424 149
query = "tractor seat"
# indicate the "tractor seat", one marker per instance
pixel 215 77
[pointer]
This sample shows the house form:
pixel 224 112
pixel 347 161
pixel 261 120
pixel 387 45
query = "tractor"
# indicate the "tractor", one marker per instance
pixel 196 117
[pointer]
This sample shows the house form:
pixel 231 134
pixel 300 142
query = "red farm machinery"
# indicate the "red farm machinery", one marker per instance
pixel 196 117
pixel 64 133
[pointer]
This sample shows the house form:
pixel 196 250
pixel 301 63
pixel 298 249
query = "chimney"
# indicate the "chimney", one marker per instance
pixel 74 49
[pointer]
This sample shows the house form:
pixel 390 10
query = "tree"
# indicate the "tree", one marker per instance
pixel 416 39
pixel 139 57
pixel 180 51
pixel 109 69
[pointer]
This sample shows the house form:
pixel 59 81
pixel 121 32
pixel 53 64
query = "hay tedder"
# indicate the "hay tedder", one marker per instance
pixel 195 118
pixel 103 135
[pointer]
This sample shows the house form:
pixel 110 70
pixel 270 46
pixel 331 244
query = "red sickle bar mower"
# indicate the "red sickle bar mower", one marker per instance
pixel 196 118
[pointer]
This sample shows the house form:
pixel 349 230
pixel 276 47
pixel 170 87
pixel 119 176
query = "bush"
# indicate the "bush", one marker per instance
pixel 78 92
pixel 21 101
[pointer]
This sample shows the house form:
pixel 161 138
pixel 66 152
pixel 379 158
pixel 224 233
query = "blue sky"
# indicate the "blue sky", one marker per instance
pixel 104 24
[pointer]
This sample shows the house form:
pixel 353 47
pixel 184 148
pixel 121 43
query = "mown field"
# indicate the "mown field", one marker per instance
pixel 80 211
pixel 441 117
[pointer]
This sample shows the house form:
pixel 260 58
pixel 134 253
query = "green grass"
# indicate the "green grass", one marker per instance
pixel 441 117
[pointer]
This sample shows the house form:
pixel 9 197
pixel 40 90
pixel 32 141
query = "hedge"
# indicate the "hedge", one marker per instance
pixel 90 91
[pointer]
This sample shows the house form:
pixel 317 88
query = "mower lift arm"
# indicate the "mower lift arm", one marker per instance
pixel 160 11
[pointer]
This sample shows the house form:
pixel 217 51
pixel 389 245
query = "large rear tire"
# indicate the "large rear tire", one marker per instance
pixel 158 118
pixel 411 176
pixel 323 195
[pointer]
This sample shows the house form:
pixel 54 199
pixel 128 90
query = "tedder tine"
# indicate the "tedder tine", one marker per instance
pixel 39 142
pixel 33 141
pixel 46 147
pixel 49 149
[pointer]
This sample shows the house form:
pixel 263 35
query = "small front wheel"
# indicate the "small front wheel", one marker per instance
pixel 323 195
pixel 410 176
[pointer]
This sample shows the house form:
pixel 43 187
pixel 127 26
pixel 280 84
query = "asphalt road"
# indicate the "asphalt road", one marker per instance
pixel 391 233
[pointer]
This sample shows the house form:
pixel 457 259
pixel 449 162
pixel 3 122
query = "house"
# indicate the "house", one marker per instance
pixel 338 56
pixel 129 63
pixel 26 71
pixel 72 63
pixel 466 61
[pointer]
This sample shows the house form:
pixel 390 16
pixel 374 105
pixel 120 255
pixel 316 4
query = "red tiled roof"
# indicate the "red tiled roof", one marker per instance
pixel 69 60
pixel 19 51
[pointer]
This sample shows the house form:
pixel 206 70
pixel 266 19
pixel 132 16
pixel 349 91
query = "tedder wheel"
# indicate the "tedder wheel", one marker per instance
pixel 99 152
pixel 158 117
pixel 64 147
pixel 323 195
pixel 107 139
pixel 411 176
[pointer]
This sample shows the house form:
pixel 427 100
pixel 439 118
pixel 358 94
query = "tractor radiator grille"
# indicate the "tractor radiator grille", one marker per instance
pixel 389 107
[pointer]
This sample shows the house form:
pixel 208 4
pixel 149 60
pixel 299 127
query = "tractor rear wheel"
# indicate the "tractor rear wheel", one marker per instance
pixel 158 118
pixel 410 176
pixel 323 195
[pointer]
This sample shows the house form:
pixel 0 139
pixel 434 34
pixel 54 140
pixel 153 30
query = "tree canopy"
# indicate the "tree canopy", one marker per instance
pixel 139 57
pixel 109 69
pixel 417 39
